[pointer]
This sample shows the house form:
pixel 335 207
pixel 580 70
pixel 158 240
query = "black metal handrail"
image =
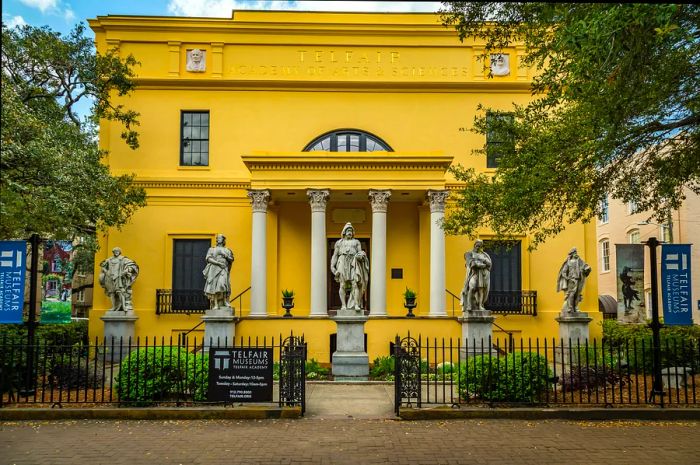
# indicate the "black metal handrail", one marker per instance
pixel 188 301
pixel 507 302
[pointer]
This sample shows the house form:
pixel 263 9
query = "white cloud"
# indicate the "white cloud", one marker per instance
pixel 15 21
pixel 223 8
pixel 41 5
pixel 68 15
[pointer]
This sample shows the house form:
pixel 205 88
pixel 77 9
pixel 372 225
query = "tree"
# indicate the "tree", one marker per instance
pixel 52 179
pixel 614 112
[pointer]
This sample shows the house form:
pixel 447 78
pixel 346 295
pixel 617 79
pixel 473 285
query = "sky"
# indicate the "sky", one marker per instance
pixel 62 15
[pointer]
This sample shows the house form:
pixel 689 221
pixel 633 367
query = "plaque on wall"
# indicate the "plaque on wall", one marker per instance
pixel 348 215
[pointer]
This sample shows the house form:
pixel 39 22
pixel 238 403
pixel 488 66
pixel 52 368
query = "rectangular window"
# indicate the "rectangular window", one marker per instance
pixel 498 141
pixel 80 297
pixel 605 255
pixel 633 236
pixel 505 292
pixel 603 217
pixel 665 233
pixel 194 138
pixel 189 260
pixel 631 207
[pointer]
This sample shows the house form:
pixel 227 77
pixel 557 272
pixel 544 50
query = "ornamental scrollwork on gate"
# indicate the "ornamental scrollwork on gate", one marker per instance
pixel 408 372
pixel 292 372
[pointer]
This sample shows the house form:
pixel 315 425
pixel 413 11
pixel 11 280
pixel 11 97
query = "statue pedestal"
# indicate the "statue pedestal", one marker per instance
pixel 476 327
pixel 118 330
pixel 574 327
pixel 219 327
pixel 350 361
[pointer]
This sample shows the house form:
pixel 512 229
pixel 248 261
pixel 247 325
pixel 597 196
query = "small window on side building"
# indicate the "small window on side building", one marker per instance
pixel 194 138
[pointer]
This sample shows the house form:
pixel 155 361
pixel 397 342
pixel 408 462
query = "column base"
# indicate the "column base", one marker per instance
pixel 119 330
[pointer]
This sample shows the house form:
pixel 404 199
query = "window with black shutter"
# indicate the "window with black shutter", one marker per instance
pixel 505 293
pixel 189 260
pixel 498 140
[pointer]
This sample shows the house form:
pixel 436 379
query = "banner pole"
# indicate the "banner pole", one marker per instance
pixel 657 385
pixel 29 387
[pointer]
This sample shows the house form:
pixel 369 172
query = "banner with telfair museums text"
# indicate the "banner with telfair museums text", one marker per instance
pixel 676 289
pixel 12 272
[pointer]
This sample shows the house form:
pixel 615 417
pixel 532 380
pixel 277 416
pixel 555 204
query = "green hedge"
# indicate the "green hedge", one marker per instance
pixel 680 345
pixel 156 374
pixel 517 377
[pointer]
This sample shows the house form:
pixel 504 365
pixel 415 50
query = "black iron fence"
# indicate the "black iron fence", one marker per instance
pixel 143 372
pixel 431 372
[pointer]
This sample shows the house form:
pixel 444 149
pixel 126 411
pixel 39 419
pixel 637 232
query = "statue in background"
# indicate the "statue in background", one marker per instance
pixel 117 275
pixel 350 266
pixel 217 274
pixel 571 279
pixel 478 279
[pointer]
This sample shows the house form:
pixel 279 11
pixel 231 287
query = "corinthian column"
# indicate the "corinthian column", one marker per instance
pixel 437 252
pixel 258 272
pixel 377 292
pixel 318 198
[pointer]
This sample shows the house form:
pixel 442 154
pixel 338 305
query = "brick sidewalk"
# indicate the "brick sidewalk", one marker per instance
pixel 331 441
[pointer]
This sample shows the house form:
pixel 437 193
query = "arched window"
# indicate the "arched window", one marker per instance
pixel 348 140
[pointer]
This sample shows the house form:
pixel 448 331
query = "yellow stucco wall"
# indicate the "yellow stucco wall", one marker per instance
pixel 273 83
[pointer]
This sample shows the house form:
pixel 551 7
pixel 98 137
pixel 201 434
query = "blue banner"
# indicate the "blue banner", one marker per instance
pixel 12 271
pixel 676 284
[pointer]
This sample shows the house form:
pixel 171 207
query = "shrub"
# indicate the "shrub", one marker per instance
pixel 382 368
pixel 680 345
pixel 516 377
pixel 154 374
pixel 314 370
pixel 75 371
pixel 590 378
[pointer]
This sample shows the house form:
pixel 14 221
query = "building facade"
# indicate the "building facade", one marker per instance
pixel 621 223
pixel 278 128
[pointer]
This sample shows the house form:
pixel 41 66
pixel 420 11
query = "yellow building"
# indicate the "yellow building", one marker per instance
pixel 277 128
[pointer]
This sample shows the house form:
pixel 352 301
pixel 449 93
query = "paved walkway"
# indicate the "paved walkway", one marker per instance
pixel 347 424
pixel 344 441
pixel 350 400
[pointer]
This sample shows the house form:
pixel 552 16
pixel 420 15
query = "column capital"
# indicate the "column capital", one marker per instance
pixel 318 198
pixel 379 200
pixel 437 199
pixel 259 199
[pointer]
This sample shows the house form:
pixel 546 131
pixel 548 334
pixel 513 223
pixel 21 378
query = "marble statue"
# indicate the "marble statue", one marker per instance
pixel 350 266
pixel 500 64
pixel 217 274
pixel 196 61
pixel 117 275
pixel 478 279
pixel 571 279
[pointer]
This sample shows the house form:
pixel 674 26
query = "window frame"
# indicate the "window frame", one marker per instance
pixel 493 157
pixel 604 216
pixel 334 135
pixel 631 235
pixel 200 139
pixel 604 255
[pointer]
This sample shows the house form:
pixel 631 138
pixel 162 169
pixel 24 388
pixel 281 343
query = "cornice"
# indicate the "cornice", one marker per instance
pixel 358 161
pixel 190 184
pixel 358 86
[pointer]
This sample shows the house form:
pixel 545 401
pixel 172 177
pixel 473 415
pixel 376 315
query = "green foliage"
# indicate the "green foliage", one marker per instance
pixel 680 345
pixel 516 377
pixel 382 368
pixel 75 332
pixel 52 178
pixel 55 312
pixel 151 375
pixel 314 370
pixel 615 111
pixel 287 294
pixel 409 294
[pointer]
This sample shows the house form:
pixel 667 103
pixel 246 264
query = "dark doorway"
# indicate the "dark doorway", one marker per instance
pixel 189 259
pixel 333 286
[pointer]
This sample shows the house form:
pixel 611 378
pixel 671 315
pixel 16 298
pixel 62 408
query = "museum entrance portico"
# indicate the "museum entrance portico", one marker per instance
pixel 394 202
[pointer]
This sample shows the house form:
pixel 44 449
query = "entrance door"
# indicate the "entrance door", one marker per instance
pixel 333 286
